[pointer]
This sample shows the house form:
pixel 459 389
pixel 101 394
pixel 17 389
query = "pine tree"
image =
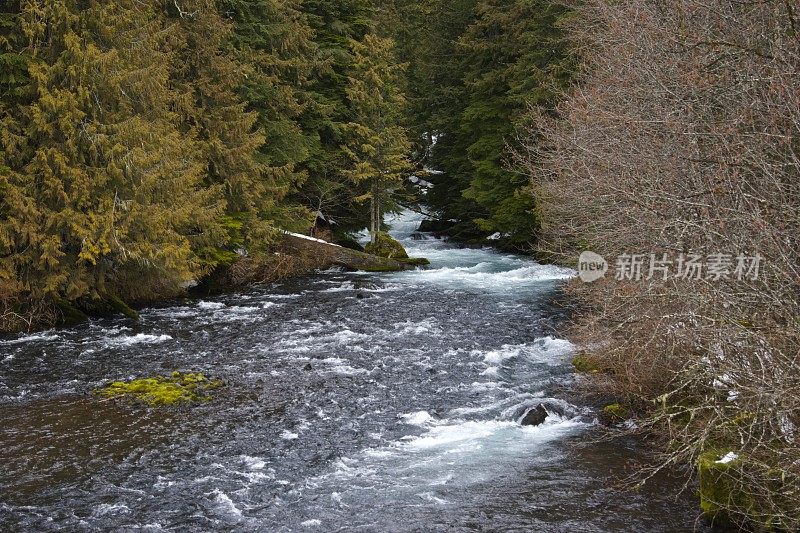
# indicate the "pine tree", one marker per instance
pixel 376 142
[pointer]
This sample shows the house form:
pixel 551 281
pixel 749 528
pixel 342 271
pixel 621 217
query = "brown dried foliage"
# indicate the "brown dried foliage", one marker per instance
pixel 683 136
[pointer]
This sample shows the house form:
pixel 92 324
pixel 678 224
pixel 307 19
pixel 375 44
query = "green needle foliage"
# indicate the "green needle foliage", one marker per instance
pixel 376 143
pixel 473 79
pixel 102 186
pixel 145 144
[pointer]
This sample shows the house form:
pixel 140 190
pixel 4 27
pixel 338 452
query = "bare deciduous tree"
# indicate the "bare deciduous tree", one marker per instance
pixel 683 136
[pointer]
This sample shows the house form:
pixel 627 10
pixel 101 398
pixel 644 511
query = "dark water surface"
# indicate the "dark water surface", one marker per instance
pixel 371 402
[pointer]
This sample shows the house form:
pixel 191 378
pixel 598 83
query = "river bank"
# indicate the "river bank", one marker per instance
pixel 293 256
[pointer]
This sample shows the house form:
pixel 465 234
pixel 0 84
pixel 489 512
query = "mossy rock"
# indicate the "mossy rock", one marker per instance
pixel 584 364
pixel 434 225
pixel 175 389
pixel 416 261
pixel 719 491
pixel 614 414
pixel 382 268
pixel 385 246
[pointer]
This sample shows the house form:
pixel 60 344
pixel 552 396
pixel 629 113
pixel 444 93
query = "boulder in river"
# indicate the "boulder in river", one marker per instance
pixel 535 416
pixel 386 246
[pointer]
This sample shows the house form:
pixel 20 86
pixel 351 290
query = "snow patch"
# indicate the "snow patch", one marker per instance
pixel 306 237
pixel 728 458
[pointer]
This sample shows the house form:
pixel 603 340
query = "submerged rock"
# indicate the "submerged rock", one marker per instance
pixel 162 390
pixel 435 226
pixel 535 416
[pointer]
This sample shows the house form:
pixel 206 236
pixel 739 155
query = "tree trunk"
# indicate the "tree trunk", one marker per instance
pixel 374 211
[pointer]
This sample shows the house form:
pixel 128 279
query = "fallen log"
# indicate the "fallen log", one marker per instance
pixel 327 255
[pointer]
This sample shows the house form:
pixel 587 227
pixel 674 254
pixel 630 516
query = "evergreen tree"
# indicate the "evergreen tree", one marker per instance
pixel 103 194
pixel 473 79
pixel 13 60
pixel 438 96
pixel 208 76
pixel 273 39
pixel 336 24
pixel 13 82
pixel 376 143
pixel 516 58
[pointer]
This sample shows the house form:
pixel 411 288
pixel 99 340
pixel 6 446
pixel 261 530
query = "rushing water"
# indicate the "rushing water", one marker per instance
pixel 376 402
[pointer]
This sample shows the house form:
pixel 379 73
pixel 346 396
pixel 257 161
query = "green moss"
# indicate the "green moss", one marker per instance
pixel 70 315
pixel 178 388
pixel 386 246
pixel 719 491
pixel 744 418
pixel 382 268
pixel 614 413
pixel 417 261
pixel 583 363
pixel 119 306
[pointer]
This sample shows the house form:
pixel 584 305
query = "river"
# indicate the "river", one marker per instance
pixel 369 402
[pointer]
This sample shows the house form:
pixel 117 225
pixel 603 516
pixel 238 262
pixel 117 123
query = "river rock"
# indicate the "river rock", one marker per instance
pixel 384 245
pixel 535 416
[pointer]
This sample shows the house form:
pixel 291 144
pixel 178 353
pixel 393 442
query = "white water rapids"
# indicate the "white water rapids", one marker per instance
pixel 369 402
